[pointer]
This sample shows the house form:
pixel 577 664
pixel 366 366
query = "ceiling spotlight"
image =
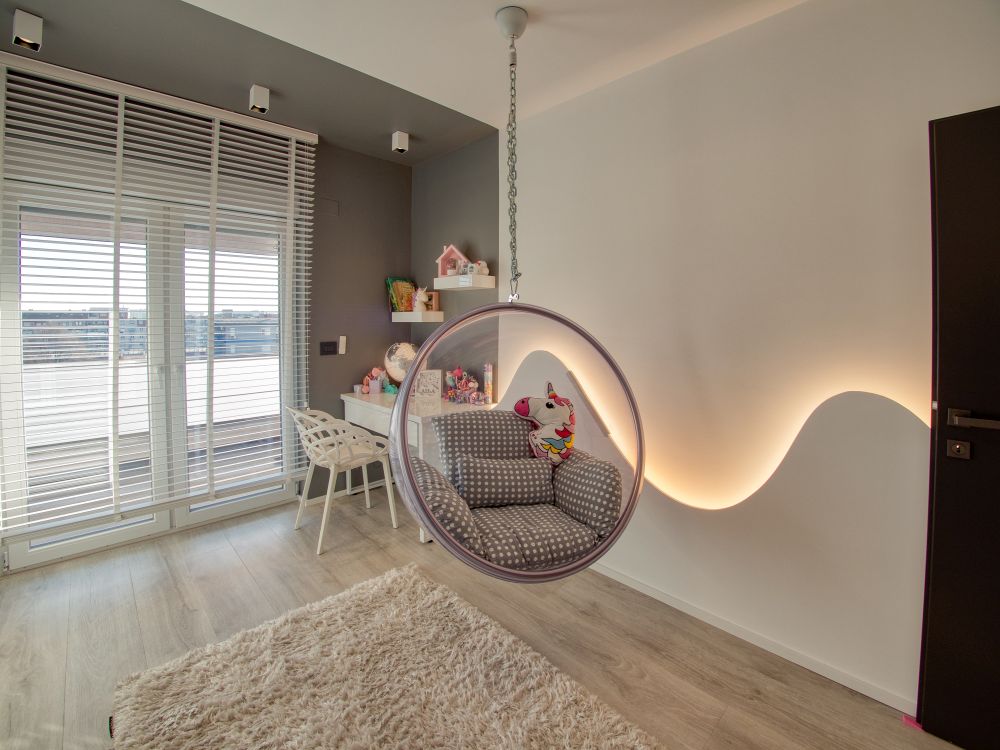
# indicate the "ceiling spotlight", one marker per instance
pixel 400 142
pixel 27 31
pixel 260 98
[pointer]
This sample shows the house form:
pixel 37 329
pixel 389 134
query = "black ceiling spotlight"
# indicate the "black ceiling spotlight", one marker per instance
pixel 27 31
pixel 260 98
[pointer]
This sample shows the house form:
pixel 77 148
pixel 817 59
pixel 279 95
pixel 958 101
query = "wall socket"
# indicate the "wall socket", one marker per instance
pixel 333 347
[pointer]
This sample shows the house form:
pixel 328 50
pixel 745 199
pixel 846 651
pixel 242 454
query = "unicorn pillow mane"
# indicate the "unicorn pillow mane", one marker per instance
pixel 554 424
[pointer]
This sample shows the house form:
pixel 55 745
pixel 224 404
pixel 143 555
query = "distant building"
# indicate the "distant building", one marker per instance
pixel 84 335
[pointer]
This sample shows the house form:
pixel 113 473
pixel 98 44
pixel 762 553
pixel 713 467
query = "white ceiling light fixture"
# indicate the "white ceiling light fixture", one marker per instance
pixel 27 30
pixel 260 99
pixel 400 142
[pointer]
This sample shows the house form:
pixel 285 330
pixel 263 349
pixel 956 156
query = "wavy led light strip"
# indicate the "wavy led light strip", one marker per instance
pixel 658 474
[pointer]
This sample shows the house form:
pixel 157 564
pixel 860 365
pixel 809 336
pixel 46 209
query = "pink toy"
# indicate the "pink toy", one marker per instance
pixel 375 374
pixel 554 423
pixel 461 386
pixel 452 258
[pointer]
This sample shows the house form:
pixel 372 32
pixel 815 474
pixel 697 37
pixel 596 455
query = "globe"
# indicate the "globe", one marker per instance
pixel 398 359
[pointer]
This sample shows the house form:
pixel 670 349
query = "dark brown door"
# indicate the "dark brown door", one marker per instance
pixel 960 670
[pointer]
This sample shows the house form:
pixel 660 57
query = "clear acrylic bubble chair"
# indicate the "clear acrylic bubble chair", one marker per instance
pixel 540 484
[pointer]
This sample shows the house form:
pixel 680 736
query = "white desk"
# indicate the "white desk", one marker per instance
pixel 372 411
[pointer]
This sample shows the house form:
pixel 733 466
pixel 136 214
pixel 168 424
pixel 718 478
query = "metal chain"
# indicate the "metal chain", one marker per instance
pixel 512 174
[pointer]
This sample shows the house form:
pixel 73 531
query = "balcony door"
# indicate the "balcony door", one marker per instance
pixel 154 277
pixel 166 384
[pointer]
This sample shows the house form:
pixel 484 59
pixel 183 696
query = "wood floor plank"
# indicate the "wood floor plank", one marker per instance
pixel 172 616
pixel 34 616
pixel 104 645
pixel 226 590
pixel 287 574
pixel 686 682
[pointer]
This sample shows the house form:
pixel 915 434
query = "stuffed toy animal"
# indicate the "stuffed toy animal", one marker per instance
pixel 554 424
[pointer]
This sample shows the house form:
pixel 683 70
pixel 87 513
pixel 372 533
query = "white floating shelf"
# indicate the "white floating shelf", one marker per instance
pixel 418 317
pixel 465 281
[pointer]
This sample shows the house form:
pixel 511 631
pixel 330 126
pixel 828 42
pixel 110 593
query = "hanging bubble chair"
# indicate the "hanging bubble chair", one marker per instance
pixel 535 476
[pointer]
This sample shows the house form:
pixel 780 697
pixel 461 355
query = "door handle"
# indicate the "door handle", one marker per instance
pixel 961 418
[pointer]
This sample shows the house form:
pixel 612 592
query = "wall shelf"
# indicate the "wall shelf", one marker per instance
pixel 465 281
pixel 436 316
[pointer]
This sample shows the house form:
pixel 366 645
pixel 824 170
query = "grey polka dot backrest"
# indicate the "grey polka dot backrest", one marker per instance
pixel 483 434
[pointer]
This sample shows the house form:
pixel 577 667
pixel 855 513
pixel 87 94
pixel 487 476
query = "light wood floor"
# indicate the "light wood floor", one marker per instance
pixel 70 631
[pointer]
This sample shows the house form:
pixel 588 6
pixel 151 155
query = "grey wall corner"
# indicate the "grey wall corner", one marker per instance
pixel 361 235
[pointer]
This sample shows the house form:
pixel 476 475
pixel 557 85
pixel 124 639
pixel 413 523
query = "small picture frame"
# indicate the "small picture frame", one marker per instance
pixel 428 384
pixel 434 301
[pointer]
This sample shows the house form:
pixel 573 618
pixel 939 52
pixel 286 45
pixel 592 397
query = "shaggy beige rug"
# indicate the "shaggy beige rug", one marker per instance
pixel 394 662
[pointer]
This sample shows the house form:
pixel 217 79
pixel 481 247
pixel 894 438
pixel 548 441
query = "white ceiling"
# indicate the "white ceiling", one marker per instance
pixel 451 51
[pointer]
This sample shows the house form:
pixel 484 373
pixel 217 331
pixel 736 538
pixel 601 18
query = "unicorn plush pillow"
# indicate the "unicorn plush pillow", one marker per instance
pixel 553 425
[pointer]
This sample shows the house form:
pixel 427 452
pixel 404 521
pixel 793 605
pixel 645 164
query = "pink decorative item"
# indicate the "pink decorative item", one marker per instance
pixel 450 261
pixel 554 425
pixel 461 386
pixel 372 381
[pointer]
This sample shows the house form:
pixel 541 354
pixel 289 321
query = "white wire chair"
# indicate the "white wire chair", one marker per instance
pixel 339 446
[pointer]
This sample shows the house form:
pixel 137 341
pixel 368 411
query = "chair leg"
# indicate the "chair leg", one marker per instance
pixel 305 494
pixel 368 495
pixel 326 508
pixel 388 490
pixel 350 475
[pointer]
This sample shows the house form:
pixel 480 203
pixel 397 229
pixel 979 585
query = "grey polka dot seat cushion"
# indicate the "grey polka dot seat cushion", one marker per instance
pixel 503 504
pixel 590 490
pixel 528 537
pixel 447 506
pixel 489 482
pixel 482 434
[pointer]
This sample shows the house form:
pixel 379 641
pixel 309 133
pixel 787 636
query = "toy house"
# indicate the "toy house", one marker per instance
pixel 452 258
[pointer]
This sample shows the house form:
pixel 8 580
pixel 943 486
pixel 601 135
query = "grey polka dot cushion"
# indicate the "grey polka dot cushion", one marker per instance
pixel 447 506
pixel 486 482
pixel 529 537
pixel 589 490
pixel 482 434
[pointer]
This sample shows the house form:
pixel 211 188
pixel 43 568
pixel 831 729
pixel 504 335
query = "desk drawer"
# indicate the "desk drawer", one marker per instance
pixel 377 420
pixel 373 420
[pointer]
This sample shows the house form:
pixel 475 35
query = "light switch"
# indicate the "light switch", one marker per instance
pixel 343 345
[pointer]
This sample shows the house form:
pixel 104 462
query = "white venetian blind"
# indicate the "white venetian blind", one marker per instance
pixel 154 276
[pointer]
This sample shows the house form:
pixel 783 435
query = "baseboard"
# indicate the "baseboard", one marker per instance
pixel 882 695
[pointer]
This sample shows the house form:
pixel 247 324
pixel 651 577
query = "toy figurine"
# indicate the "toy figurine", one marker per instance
pixel 421 300
pixel 372 382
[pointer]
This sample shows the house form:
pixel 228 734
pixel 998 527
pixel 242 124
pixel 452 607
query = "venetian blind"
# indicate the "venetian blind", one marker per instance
pixel 154 276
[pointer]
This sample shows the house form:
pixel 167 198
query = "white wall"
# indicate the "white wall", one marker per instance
pixel 747 227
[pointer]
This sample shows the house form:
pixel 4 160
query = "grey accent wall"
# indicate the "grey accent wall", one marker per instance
pixel 455 202
pixel 362 235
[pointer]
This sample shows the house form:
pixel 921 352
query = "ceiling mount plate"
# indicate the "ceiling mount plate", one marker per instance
pixel 512 20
